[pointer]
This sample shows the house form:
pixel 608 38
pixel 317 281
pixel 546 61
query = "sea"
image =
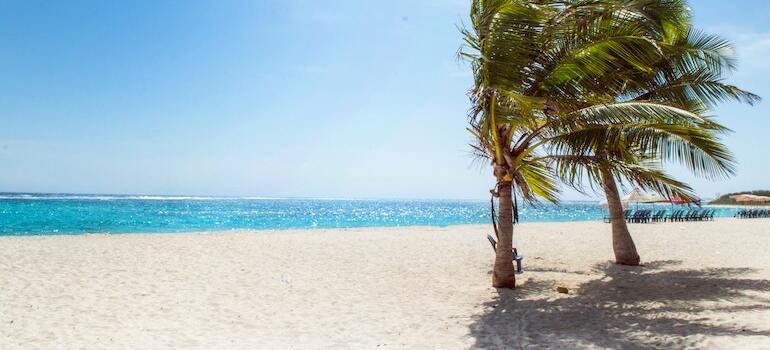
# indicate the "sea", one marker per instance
pixel 25 214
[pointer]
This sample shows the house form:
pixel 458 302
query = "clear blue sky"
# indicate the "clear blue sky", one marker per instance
pixel 277 98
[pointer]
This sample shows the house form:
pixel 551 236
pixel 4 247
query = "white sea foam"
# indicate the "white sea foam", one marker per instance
pixel 44 196
pixel 26 196
pixel 54 197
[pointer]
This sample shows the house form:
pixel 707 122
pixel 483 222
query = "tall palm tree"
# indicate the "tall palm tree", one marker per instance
pixel 690 77
pixel 537 66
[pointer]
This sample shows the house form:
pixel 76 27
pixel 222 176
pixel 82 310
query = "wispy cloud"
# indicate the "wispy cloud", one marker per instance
pixel 752 49
pixel 755 51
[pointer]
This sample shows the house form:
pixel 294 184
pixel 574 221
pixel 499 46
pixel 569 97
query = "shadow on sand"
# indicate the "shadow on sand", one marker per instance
pixel 654 306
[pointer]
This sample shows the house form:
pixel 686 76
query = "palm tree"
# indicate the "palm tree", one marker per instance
pixel 632 151
pixel 538 68
pixel 689 77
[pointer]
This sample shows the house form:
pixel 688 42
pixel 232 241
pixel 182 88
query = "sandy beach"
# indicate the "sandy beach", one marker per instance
pixel 703 285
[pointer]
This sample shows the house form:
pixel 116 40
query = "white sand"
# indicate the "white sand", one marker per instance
pixel 705 285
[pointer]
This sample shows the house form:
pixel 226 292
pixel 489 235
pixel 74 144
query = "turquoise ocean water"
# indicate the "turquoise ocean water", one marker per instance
pixel 45 214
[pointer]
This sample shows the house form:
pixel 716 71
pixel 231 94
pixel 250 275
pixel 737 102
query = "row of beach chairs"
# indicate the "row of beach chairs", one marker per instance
pixel 753 213
pixel 645 216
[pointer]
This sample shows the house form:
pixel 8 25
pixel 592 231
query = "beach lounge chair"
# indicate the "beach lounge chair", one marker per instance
pixel 641 216
pixel 626 215
pixel 697 215
pixel 659 216
pixel 646 216
pixel 516 257
pixel 675 215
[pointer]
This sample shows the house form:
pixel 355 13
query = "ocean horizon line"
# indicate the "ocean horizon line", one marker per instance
pixel 148 196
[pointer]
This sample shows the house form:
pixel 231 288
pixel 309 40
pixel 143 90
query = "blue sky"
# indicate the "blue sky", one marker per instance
pixel 278 98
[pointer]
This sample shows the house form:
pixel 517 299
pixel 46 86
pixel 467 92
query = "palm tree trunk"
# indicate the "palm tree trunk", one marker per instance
pixel 504 276
pixel 622 243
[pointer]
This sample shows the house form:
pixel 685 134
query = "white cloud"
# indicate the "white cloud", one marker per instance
pixel 755 52
pixel 752 49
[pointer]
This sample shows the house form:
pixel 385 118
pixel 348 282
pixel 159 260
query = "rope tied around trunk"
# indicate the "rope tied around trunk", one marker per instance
pixel 492 208
pixel 496 193
pixel 515 205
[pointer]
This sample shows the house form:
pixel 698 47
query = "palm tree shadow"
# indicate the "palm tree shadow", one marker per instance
pixel 654 306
